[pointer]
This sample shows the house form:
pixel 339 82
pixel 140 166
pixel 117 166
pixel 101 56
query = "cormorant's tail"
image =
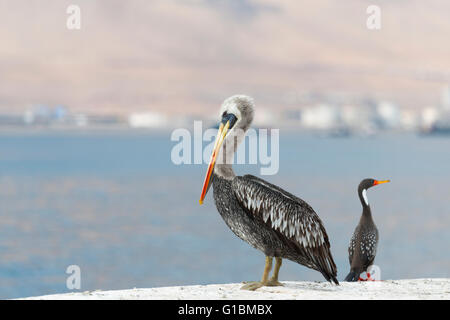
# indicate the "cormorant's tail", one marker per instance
pixel 352 276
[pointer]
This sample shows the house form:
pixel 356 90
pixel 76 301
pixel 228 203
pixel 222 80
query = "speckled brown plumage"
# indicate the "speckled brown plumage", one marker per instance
pixel 275 222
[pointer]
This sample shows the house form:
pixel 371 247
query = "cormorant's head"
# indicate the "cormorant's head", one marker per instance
pixel 236 114
pixel 366 184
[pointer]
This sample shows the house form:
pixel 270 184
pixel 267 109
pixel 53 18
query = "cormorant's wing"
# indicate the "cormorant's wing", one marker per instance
pixel 369 241
pixel 363 248
pixel 291 217
pixel 352 247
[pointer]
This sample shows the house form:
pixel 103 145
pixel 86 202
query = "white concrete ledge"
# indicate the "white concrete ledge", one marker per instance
pixel 389 289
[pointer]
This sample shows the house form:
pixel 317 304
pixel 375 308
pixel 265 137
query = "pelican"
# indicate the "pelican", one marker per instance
pixel 265 216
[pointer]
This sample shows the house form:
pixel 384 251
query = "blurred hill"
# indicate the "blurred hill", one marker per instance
pixel 187 56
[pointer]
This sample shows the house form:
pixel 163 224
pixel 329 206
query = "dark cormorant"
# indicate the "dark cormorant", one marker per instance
pixel 265 216
pixel 363 244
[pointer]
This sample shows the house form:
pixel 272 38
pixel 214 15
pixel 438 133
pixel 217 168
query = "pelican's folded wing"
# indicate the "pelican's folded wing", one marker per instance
pixel 289 215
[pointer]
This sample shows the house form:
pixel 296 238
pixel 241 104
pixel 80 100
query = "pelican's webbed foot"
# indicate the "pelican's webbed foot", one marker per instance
pixel 274 283
pixel 252 285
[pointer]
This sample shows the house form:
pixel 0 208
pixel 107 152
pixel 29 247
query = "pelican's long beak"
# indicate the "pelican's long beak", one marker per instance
pixel 223 129
pixel 376 182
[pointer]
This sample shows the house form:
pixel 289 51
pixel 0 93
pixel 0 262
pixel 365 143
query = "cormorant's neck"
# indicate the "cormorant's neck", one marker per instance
pixel 367 212
pixel 364 202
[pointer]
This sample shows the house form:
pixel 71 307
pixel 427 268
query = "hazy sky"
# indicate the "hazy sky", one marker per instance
pixel 187 56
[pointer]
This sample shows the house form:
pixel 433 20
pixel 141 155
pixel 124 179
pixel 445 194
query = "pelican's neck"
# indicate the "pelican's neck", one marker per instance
pixel 223 167
pixel 225 171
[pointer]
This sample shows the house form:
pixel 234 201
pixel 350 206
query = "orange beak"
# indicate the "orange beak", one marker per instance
pixel 376 182
pixel 223 129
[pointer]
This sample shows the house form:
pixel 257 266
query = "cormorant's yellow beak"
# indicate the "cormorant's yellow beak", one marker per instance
pixel 223 129
pixel 376 182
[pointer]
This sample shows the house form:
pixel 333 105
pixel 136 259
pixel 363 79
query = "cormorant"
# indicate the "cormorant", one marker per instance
pixel 363 244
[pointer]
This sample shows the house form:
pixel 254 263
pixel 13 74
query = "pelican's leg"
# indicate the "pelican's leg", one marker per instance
pixel 255 285
pixel 273 282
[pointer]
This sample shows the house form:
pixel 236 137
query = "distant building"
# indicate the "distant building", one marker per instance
pixel 321 117
pixel 360 119
pixel 81 120
pixel 428 117
pixel 410 120
pixel 147 120
pixel 38 115
pixel 60 114
pixel 266 118
pixel 389 115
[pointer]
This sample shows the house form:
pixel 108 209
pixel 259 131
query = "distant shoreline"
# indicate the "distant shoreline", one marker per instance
pixel 79 130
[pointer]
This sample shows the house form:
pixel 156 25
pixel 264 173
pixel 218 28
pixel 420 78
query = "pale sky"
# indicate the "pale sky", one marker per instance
pixel 187 56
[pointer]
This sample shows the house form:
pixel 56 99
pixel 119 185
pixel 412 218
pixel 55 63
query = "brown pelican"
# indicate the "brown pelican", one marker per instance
pixel 363 244
pixel 268 218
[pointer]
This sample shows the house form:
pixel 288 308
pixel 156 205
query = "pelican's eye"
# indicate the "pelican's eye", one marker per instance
pixel 229 117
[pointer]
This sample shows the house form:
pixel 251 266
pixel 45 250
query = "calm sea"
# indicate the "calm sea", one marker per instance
pixel 116 206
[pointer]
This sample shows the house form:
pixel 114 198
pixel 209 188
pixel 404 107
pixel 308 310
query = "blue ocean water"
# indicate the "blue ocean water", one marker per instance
pixel 114 204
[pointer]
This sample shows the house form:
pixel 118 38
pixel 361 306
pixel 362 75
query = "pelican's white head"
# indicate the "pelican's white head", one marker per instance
pixel 236 115
pixel 241 107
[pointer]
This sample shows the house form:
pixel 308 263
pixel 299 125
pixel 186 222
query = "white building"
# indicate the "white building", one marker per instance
pixel 429 116
pixel 389 115
pixel 321 117
pixel 147 120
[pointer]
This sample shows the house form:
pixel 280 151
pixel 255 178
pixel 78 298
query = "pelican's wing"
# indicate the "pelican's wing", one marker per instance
pixel 290 217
